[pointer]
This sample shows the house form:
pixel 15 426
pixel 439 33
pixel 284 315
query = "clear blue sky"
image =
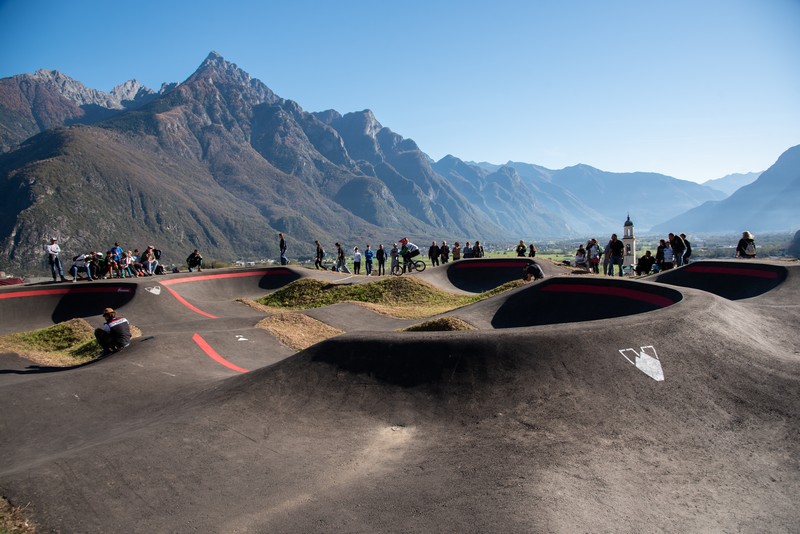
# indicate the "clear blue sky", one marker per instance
pixel 695 89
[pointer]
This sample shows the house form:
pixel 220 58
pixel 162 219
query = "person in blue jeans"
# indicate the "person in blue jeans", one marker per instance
pixel 53 251
pixel 617 251
pixel 368 255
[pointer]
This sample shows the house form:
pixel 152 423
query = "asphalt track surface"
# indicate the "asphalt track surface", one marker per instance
pixel 660 406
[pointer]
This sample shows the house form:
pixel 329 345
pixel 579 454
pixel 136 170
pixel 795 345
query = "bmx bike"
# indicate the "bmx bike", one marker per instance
pixel 410 266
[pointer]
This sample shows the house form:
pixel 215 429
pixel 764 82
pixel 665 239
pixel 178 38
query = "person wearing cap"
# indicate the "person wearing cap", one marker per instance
pixel 53 250
pixel 408 251
pixel 115 335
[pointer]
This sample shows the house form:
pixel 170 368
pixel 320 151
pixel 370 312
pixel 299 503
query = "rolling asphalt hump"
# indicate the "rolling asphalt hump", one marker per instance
pixel 669 408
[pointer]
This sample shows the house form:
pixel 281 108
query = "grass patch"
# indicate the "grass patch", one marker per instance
pixel 13 520
pixel 403 297
pixel 62 345
pixel 296 330
pixel 441 324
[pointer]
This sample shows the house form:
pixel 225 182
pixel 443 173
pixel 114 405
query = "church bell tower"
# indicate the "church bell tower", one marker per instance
pixel 629 241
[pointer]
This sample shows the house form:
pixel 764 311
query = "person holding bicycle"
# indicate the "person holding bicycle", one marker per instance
pixel 408 251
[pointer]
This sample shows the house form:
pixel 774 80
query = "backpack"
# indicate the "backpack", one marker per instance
pixel 750 249
pixel 157 253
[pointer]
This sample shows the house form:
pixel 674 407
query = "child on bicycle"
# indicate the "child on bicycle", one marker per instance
pixel 408 251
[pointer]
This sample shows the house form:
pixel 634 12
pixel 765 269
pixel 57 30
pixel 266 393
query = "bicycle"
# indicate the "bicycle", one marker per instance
pixel 414 265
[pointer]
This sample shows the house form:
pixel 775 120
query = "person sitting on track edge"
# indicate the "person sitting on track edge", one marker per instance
pixel 115 335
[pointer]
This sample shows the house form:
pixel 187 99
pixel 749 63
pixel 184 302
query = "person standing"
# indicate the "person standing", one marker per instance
pixel 340 259
pixel 318 256
pixel 477 250
pixel 678 249
pixel 282 246
pixel 594 253
pixel 53 252
pixel 380 255
pixel 617 251
pixel 669 256
pixel 115 335
pixel 368 255
pixel 466 251
pixel 433 254
pixel 688 253
pixel 444 251
pixel 356 261
pixel 662 245
pixel 456 251
pixel 521 249
pixel 532 251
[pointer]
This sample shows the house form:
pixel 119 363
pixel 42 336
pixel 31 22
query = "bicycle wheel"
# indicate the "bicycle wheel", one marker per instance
pixel 397 270
pixel 420 265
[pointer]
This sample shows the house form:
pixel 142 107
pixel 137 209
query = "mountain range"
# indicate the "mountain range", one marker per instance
pixel 221 163
pixel 730 183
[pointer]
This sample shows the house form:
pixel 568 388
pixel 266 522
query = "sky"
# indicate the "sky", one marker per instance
pixel 694 89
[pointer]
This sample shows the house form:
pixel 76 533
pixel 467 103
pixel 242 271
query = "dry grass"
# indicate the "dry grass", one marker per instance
pixel 62 345
pixel 441 324
pixel 296 330
pixel 13 520
pixel 401 297
pixel 419 311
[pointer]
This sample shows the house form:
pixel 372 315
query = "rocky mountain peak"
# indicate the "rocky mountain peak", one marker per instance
pixel 76 92
pixel 216 70
pixel 130 90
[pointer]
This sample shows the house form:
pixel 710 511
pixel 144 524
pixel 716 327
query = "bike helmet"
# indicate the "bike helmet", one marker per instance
pixel 404 240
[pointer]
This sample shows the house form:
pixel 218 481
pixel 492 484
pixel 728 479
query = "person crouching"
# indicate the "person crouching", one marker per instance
pixel 115 335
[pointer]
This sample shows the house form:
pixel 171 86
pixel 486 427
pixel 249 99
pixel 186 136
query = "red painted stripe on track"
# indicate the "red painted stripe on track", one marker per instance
pixel 633 294
pixel 64 291
pixel 188 305
pixel 225 275
pixel 197 338
pixel 736 271
pixel 167 283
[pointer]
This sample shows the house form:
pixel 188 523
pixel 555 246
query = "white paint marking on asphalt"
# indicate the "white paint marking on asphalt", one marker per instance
pixel 154 290
pixel 646 361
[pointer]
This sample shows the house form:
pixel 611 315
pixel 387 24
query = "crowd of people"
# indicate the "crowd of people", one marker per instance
pixel 116 262
pixel 374 260
pixel 673 251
